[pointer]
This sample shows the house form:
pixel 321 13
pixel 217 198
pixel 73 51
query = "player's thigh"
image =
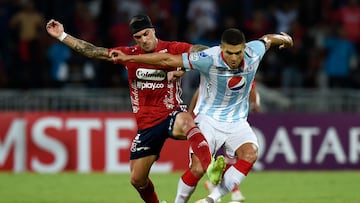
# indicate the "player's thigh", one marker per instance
pixel 241 138
pixel 212 133
pixel 140 168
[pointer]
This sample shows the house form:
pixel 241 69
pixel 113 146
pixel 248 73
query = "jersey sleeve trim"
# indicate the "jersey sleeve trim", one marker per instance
pixel 186 61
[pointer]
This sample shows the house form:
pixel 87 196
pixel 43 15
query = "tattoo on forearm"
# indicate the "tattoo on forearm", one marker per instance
pixel 89 50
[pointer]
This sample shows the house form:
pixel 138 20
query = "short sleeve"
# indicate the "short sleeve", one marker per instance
pixel 197 60
pixel 258 47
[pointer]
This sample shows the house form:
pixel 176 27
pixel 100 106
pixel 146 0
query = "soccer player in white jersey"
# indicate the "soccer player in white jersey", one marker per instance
pixel 254 99
pixel 226 75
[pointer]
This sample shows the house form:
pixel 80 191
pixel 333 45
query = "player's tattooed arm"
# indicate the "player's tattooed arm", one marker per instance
pixel 87 49
pixel 56 30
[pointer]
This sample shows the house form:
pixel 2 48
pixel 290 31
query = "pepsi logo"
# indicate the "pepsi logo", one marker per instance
pixel 236 83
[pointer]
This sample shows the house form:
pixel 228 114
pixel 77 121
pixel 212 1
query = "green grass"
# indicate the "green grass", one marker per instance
pixel 259 187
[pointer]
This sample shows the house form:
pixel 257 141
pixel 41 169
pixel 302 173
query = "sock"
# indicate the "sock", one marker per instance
pixel 232 178
pixel 227 166
pixel 186 187
pixel 189 178
pixel 147 193
pixel 209 186
pixel 243 166
pixel 236 188
pixel 200 146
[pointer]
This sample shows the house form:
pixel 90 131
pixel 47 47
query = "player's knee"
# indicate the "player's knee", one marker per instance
pixel 248 153
pixel 137 182
pixel 196 167
pixel 197 170
pixel 250 156
pixel 185 121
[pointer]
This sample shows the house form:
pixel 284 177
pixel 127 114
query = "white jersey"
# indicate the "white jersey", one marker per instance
pixel 224 92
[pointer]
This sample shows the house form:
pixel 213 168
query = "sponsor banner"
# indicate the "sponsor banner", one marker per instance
pixel 52 142
pixel 82 142
pixel 12 141
pixel 307 141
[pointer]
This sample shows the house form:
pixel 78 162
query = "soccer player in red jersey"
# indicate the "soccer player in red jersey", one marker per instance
pixel 156 102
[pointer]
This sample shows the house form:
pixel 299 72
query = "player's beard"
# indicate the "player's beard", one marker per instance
pixel 149 46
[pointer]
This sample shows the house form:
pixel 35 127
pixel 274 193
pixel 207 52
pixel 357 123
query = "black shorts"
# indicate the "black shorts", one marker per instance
pixel 151 140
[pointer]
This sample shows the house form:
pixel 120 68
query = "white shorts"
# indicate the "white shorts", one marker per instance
pixel 229 135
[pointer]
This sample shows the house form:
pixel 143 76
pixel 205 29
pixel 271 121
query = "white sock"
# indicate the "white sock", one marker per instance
pixel 183 192
pixel 231 179
pixel 210 186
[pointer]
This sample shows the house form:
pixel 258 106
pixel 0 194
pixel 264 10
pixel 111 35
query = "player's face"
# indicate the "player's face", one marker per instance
pixel 146 39
pixel 233 54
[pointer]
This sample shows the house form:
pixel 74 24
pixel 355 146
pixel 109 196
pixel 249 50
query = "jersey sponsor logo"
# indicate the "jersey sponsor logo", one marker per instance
pixel 135 97
pixel 142 148
pixel 150 74
pixel 169 101
pixel 236 83
pixel 135 148
pixel 136 141
pixel 149 85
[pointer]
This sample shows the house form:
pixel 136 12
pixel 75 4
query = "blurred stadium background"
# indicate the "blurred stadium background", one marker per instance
pixel 319 74
pixel 314 87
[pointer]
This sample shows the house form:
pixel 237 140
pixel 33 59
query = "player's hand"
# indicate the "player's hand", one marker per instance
pixel 287 39
pixel 174 75
pixel 54 28
pixel 117 55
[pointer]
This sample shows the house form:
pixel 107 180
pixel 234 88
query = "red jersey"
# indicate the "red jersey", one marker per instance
pixel 153 98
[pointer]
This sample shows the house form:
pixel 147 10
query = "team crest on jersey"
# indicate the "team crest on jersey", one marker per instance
pixel 236 83
pixel 203 54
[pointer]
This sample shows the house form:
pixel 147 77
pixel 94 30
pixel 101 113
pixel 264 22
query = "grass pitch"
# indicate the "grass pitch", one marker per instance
pixel 258 187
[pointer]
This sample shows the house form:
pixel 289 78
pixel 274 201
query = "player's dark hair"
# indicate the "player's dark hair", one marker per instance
pixel 233 36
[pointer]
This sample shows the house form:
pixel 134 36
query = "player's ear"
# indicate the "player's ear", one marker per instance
pixel 221 46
